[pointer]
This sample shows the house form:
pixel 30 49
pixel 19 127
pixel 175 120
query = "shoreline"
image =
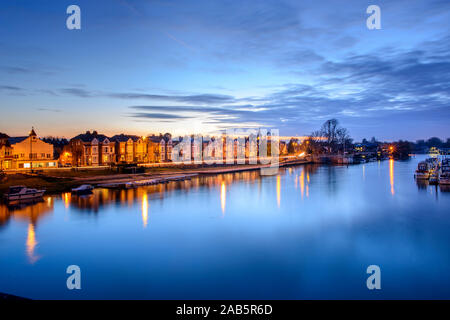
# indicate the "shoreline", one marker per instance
pixel 54 183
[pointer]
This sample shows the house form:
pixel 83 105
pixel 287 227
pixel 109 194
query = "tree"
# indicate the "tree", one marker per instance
pixel 434 142
pixel 329 131
pixel 343 138
pixel 292 145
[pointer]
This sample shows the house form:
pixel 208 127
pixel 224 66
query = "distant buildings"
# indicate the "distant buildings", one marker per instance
pixel 93 149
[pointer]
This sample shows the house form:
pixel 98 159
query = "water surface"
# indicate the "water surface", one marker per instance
pixel 307 233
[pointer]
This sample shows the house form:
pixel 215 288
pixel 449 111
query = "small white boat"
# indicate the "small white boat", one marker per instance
pixel 17 193
pixel 83 189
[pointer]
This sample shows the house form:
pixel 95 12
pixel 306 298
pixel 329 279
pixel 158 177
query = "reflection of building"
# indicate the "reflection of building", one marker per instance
pixel 26 152
pixel 30 212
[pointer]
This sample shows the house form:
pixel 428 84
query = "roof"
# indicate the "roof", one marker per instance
pixel 156 139
pixel 14 140
pixel 88 137
pixel 124 138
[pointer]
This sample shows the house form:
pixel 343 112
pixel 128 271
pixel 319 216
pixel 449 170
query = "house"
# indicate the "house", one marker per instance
pixel 92 149
pixel 125 148
pixel 6 154
pixel 164 146
pixel 29 152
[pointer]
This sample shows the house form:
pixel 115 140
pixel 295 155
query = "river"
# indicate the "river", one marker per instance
pixel 309 232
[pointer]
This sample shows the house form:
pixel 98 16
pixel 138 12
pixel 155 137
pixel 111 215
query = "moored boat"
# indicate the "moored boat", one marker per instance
pixel 422 171
pixel 83 189
pixel 444 177
pixel 434 176
pixel 18 193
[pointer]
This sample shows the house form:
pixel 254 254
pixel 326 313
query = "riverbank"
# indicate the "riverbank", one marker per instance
pixel 64 181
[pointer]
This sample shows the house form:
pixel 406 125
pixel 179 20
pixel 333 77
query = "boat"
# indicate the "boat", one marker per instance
pixel 434 176
pixel 130 185
pixel 422 171
pixel 444 177
pixel 17 193
pixel 83 189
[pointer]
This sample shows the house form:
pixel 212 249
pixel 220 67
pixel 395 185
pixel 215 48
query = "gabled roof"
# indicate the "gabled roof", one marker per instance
pixel 156 139
pixel 88 137
pixel 124 138
pixel 14 140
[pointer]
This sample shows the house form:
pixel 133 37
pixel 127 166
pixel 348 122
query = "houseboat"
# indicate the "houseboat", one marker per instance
pixel 444 177
pixel 18 193
pixel 422 171
pixel 434 176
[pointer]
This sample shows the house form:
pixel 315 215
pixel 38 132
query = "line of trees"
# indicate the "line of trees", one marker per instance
pixel 333 138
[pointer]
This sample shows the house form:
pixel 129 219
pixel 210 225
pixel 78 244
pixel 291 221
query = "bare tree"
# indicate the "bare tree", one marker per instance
pixel 329 131
pixel 342 137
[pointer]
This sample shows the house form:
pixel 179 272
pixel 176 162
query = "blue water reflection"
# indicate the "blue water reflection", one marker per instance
pixel 307 233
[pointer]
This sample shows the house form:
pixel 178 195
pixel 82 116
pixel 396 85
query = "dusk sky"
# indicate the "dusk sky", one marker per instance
pixel 200 66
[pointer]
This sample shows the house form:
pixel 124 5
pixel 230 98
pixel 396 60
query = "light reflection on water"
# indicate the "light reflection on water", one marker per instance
pixel 307 232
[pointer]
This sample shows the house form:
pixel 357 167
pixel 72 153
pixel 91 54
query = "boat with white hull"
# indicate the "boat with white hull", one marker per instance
pixel 18 193
pixel 83 189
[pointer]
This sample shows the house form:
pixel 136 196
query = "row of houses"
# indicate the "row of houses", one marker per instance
pixel 87 149
pixel 94 149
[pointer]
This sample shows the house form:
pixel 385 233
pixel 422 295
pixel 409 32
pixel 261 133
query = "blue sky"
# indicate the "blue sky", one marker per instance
pixel 200 66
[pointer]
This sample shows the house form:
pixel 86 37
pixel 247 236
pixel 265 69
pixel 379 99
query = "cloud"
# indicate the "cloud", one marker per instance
pixel 11 88
pixel 200 98
pixel 81 93
pixel 49 109
pixel 156 116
